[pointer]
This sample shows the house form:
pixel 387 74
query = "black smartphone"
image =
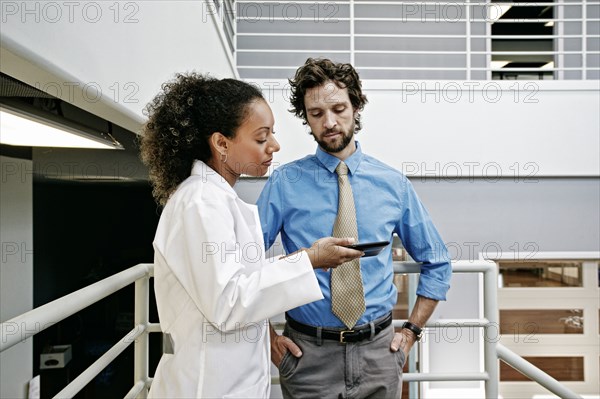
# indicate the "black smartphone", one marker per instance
pixel 369 248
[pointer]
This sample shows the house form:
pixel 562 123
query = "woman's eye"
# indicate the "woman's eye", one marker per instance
pixel 261 141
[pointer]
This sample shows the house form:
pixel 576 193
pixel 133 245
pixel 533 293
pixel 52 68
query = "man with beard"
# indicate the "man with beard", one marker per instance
pixel 340 189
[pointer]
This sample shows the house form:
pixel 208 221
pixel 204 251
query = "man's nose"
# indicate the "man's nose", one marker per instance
pixel 329 122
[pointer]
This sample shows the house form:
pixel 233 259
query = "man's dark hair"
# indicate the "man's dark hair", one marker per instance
pixel 316 72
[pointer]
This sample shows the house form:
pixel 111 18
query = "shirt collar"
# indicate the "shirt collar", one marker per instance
pixel 330 162
pixel 207 173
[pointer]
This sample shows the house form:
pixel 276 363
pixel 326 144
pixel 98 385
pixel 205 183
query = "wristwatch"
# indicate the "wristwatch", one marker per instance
pixel 418 331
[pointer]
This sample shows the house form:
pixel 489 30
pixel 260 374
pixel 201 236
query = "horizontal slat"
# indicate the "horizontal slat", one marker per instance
pixel 424 36
pixel 483 4
pixel 433 19
pixel 423 68
pixel 279 51
pixel 459 3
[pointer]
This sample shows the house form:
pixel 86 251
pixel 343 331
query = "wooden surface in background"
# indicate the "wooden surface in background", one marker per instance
pixel 538 321
pixel 562 368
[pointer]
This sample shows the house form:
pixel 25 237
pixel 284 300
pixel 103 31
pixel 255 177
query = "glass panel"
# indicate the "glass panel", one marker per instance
pixel 540 274
pixel 563 368
pixel 525 323
pixel 529 55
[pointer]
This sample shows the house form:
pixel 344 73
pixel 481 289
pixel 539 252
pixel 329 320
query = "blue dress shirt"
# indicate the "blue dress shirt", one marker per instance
pixel 300 201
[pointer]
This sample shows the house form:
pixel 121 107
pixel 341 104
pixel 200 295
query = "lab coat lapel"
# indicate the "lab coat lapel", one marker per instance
pixel 248 212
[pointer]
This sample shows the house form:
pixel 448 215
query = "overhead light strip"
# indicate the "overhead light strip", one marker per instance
pixel 34 128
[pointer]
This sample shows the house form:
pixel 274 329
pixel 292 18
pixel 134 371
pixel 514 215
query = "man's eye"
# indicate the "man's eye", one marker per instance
pixel 316 115
pixel 261 141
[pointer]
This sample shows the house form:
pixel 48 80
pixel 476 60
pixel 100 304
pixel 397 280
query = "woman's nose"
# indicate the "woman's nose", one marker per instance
pixel 274 145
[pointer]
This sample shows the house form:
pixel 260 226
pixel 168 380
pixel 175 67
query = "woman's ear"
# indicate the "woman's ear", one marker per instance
pixel 219 142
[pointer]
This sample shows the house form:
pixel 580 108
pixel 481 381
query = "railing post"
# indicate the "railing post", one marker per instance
pixel 491 330
pixel 142 293
pixel 415 355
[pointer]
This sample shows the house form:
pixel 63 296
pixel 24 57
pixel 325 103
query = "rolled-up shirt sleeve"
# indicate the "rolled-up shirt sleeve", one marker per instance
pixel 424 244
pixel 270 209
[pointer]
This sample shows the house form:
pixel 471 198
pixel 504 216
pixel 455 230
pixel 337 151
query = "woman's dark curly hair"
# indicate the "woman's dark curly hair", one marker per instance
pixel 317 71
pixel 182 117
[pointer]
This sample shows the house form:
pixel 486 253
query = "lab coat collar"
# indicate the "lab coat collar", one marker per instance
pixel 207 173
pixel 330 162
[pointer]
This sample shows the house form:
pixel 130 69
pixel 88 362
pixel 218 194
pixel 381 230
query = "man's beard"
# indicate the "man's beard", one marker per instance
pixel 334 148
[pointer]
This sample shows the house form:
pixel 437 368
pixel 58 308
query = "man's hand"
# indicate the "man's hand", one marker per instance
pixel 280 345
pixel 404 340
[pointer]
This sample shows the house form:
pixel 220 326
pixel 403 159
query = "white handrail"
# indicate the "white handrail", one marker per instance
pixel 135 391
pixel 84 378
pixel 531 371
pixel 28 324
pixel 421 377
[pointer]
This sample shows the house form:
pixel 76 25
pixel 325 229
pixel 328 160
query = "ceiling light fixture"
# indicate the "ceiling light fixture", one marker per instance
pixel 30 127
pixel 496 11
pixel 549 65
pixel 498 64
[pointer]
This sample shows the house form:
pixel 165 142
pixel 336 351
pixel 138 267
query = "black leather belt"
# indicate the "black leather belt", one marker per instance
pixel 343 336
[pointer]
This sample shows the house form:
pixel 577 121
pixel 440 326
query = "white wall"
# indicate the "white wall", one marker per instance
pixel 16 270
pixel 466 129
pixel 110 58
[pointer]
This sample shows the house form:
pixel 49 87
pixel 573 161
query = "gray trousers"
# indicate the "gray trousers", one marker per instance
pixel 329 369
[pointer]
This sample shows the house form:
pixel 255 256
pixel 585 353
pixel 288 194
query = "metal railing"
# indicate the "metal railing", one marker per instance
pixel 30 323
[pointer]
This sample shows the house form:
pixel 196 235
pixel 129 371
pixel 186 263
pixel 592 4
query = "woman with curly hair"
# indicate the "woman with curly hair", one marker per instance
pixel 214 288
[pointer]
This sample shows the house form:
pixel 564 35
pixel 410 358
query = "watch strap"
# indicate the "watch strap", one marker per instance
pixel 416 330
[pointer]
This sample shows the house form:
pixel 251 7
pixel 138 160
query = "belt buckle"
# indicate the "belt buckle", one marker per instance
pixel 342 338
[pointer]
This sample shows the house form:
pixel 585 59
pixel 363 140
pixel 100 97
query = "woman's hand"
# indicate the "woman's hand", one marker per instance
pixel 329 252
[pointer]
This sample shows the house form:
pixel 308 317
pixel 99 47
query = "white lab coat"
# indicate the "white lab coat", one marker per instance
pixel 215 289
